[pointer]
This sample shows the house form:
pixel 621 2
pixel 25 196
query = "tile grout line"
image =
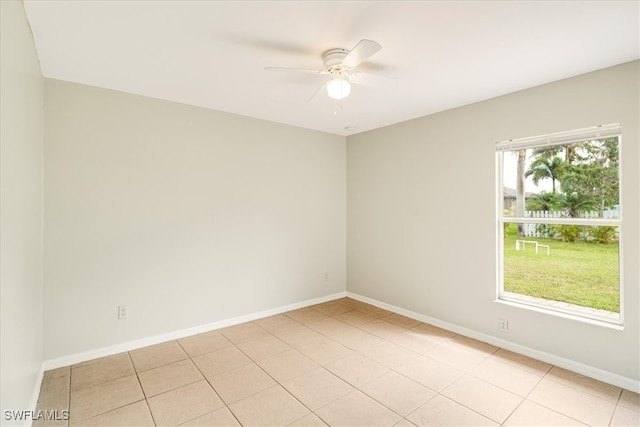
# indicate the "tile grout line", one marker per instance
pixel 146 401
pixel 355 388
pixel 276 381
pixel 265 372
pixel 437 393
pixel 570 385
pixel 615 408
pixel 210 385
pixel 320 366
pixel 465 406
pixel 527 395
pixel 467 372
pixel 146 398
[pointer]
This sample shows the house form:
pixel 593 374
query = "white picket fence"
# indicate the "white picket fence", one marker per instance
pixel 532 230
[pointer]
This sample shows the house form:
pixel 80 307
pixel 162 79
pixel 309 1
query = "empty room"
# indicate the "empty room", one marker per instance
pixel 307 213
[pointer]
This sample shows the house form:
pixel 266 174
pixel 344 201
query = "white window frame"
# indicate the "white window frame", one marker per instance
pixel 563 138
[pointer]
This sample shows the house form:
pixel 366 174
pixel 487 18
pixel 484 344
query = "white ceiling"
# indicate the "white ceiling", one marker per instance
pixel 443 53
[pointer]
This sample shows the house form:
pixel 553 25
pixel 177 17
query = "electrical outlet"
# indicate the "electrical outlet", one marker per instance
pixel 326 277
pixel 503 325
pixel 122 312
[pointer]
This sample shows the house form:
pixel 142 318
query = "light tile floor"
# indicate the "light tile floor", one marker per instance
pixel 340 363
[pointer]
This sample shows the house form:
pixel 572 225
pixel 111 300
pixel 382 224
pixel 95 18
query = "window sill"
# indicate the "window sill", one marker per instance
pixel 560 309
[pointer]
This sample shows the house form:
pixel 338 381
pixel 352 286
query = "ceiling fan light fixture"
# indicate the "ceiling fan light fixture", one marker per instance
pixel 338 88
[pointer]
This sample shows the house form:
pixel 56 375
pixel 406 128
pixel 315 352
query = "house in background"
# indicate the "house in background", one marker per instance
pixel 149 161
pixel 509 196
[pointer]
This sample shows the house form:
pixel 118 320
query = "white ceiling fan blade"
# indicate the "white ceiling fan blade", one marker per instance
pixel 317 92
pixel 363 50
pixel 296 70
pixel 373 80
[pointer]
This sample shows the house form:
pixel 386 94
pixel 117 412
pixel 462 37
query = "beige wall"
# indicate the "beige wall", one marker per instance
pixel 187 216
pixel 21 136
pixel 422 214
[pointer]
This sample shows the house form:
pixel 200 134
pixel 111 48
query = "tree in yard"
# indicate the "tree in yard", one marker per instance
pixel 544 202
pixel 595 173
pixel 549 151
pixel 574 203
pixel 543 168
pixel 570 151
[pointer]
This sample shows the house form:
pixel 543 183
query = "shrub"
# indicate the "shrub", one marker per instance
pixel 568 233
pixel 546 230
pixel 605 234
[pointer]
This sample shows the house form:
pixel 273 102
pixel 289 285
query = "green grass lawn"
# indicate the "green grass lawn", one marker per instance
pixel 584 274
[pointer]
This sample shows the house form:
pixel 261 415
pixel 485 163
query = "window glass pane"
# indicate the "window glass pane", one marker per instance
pixel 571 264
pixel 577 180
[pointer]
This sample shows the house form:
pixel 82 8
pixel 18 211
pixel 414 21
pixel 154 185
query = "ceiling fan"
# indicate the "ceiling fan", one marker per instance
pixel 339 64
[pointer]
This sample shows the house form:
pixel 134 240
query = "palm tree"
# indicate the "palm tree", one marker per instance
pixel 570 151
pixel 574 203
pixel 544 202
pixel 543 168
pixel 548 151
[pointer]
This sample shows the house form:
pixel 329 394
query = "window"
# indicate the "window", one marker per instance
pixel 559 223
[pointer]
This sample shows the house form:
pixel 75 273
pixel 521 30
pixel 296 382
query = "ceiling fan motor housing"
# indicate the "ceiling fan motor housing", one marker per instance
pixel 339 63
pixel 332 60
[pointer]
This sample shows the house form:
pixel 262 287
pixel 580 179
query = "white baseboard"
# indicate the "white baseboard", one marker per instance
pixel 561 362
pixel 157 339
pixel 590 371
